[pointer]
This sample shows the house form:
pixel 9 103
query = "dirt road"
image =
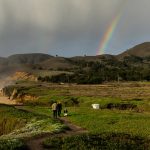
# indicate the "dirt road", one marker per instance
pixel 36 143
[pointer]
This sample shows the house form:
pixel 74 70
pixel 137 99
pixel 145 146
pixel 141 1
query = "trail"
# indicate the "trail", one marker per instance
pixel 36 143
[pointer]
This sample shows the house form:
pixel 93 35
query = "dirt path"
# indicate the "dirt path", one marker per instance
pixel 6 100
pixel 36 143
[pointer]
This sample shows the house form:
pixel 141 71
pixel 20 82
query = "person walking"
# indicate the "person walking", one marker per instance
pixel 59 108
pixel 54 109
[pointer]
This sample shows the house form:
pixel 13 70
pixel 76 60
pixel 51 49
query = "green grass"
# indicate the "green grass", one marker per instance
pixel 26 121
pixel 132 122
pixel 98 142
pixel 11 119
pixel 44 93
pixel 12 144
pixel 38 110
pixel 99 121
pixel 104 120
pixel 103 101
pixel 19 123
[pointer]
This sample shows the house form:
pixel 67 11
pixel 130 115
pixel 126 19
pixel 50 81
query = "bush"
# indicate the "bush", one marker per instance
pixel 98 142
pixel 73 101
pixel 13 144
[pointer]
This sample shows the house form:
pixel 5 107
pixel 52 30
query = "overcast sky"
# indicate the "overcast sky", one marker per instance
pixel 71 27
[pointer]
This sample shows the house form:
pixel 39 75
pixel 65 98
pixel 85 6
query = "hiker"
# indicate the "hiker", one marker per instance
pixel 54 108
pixel 65 112
pixel 59 108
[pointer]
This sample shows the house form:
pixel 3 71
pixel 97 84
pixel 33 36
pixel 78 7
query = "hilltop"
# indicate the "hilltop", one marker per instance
pixel 141 50
pixel 38 64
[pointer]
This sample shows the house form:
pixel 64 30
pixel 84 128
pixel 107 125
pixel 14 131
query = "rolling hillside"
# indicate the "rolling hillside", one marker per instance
pixel 56 63
pixel 141 50
pixel 27 58
pixel 35 62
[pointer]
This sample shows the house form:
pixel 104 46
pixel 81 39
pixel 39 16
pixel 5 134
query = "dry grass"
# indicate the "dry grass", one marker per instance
pixel 131 90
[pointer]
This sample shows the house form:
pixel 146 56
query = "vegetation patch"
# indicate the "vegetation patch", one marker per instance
pixel 111 120
pixel 18 124
pixel 105 141
pixel 11 119
pixel 35 127
pixel 121 106
pixel 12 144
pixel 117 117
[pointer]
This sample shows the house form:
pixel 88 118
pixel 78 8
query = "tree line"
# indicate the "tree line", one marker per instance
pixel 129 69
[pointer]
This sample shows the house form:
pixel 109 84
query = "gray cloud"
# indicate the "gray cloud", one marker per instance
pixel 70 27
pixel 133 27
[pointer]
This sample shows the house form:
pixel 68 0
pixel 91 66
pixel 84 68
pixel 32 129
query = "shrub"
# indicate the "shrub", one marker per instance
pixel 73 101
pixel 12 144
pixel 98 141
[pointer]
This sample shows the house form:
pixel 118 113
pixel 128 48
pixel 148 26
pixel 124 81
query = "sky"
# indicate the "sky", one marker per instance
pixel 72 27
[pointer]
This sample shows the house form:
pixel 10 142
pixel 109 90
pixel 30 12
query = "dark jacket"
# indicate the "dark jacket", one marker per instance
pixel 59 106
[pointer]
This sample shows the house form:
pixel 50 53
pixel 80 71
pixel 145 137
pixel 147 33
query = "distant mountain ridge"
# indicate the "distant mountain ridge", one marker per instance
pixel 27 62
pixel 32 58
pixel 141 50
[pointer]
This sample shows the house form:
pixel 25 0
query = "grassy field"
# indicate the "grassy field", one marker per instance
pixel 129 111
pixel 105 120
pixel 136 92
pixel 16 125
pixel 108 129
pixel 124 111
pixel 97 142
pixel 117 121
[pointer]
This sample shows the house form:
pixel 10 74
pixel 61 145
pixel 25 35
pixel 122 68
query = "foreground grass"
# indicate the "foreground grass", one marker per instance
pixel 104 120
pixel 111 121
pixel 130 124
pixel 11 119
pixel 108 129
pixel 103 141
pixel 12 144
pixel 19 124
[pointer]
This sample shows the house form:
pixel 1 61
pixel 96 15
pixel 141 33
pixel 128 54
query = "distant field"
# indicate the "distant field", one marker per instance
pixel 137 92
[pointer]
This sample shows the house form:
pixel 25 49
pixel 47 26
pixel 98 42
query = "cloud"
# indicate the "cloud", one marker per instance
pixel 68 27
pixel 133 27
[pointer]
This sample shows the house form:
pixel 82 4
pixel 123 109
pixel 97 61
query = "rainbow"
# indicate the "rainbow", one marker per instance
pixel 108 35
